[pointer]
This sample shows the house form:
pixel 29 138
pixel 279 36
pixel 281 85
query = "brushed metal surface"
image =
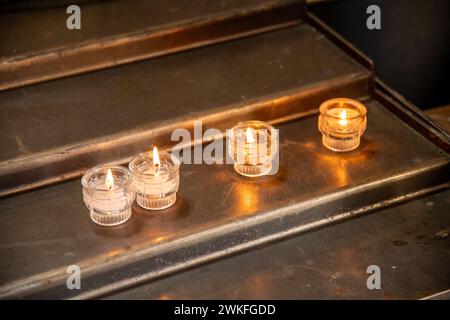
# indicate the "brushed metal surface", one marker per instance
pixel 218 212
pixel 38 47
pixel 409 242
pixel 56 130
pixel 412 115
pixel 441 116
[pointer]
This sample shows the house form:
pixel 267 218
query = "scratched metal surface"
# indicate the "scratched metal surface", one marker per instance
pixel 48 229
pixel 38 47
pixel 44 123
pixel 88 106
pixel 441 116
pixel 409 242
pixel 29 29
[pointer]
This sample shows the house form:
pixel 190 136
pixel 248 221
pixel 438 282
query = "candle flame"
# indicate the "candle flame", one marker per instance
pixel 109 182
pixel 343 116
pixel 156 161
pixel 249 136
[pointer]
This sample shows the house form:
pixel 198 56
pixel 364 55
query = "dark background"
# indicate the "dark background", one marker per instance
pixel 411 52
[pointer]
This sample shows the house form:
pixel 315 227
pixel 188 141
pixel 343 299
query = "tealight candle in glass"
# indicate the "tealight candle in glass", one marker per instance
pixel 342 122
pixel 108 194
pixel 156 179
pixel 252 145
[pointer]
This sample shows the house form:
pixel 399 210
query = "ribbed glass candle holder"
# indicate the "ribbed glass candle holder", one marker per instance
pixel 252 145
pixel 156 187
pixel 342 122
pixel 109 201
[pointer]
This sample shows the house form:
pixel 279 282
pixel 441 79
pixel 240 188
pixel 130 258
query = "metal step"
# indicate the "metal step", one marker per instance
pixel 57 130
pixel 37 46
pixel 409 242
pixel 218 212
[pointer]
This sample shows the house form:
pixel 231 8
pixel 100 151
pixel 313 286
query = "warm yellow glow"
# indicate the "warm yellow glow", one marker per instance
pixel 109 180
pixel 249 136
pixel 343 116
pixel 247 197
pixel 156 161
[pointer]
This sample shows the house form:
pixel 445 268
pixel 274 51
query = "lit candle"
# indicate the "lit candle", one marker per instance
pixel 342 122
pixel 156 179
pixel 252 145
pixel 108 194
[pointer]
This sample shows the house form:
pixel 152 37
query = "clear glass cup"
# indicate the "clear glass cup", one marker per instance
pixel 252 145
pixel 156 189
pixel 109 202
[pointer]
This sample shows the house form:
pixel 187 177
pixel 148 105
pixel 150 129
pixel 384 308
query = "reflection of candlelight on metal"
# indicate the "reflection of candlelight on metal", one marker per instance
pixel 159 239
pixel 342 122
pixel 247 196
pixel 336 167
pixel 252 145
pixel 156 179
pixel 342 174
pixel 108 193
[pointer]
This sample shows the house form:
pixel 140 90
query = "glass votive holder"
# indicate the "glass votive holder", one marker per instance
pixel 342 122
pixel 252 145
pixel 156 182
pixel 108 194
